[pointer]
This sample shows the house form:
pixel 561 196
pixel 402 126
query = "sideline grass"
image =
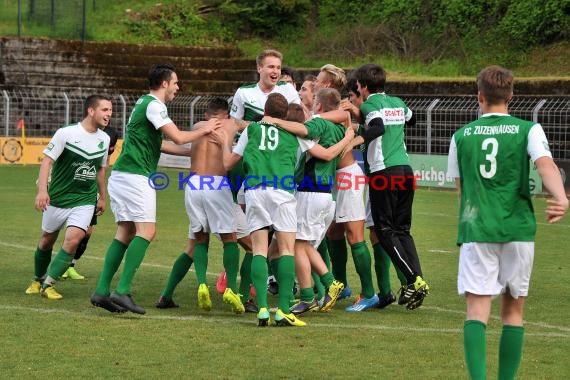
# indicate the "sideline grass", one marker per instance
pixel 57 339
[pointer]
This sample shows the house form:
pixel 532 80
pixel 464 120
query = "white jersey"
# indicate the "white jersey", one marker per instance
pixel 249 101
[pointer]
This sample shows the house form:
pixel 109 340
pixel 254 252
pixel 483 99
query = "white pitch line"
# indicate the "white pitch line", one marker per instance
pixel 436 308
pixel 251 322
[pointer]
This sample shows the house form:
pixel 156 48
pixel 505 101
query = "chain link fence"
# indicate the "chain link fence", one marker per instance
pixel 437 117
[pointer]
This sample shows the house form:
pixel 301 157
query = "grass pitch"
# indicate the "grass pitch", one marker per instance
pixel 57 339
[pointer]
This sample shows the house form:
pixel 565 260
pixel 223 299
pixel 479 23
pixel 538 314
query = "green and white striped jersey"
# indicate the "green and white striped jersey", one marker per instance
pixel 78 156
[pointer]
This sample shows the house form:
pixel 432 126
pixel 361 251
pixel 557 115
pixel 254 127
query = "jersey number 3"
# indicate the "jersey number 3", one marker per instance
pixel 489 168
pixel 269 137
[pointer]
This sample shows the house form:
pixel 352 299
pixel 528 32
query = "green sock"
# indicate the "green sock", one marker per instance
pixel 382 268
pixel 273 268
pixel 324 252
pixel 113 259
pixel 201 262
pixel 59 264
pixel 245 274
pixel 363 264
pixel 179 269
pixel 320 288
pixel 339 256
pixel 231 264
pixel 475 345
pixel 41 262
pixel 327 279
pixel 286 280
pixel 133 259
pixel 259 278
pixel 307 294
pixel 510 351
pixel 401 276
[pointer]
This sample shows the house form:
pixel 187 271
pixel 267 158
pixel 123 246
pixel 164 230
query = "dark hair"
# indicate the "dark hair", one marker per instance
pixel 276 106
pixel 217 105
pixel 158 74
pixel 295 113
pixel 371 76
pixel 495 84
pixel 286 70
pixel 92 101
pixel 351 85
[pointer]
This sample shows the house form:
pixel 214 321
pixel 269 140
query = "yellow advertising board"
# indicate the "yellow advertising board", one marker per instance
pixel 16 150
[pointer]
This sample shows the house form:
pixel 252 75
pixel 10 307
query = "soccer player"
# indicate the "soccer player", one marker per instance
pixel 210 208
pixel 71 272
pixel 216 108
pixel 288 76
pixel 133 199
pixel 76 157
pixel 248 105
pixel 307 95
pixel 381 258
pixel 392 184
pixel 489 159
pixel 270 156
pixel 315 203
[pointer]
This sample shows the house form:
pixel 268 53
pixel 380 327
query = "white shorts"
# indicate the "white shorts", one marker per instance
pixel 350 198
pixel 315 212
pixel 241 222
pixel 132 198
pixel 491 268
pixel 270 207
pixel 241 195
pixel 54 218
pixel 209 209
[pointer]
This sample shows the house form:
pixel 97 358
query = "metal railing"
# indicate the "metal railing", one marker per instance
pixel 438 117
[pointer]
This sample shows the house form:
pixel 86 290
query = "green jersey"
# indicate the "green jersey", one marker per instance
pixel 78 155
pixel 491 157
pixel 270 155
pixel 320 174
pixel 248 104
pixel 141 148
pixel 389 149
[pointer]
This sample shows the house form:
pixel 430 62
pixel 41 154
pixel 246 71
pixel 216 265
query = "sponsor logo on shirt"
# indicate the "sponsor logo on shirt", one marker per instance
pixel 164 114
pixel 85 173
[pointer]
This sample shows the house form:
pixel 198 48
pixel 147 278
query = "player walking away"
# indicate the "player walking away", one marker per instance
pixel 133 199
pixel 489 159
pixel 71 272
pixel 385 117
pixel 76 157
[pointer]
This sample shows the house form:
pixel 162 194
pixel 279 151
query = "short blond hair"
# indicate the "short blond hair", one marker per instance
pixel 329 98
pixel 268 53
pixel 335 75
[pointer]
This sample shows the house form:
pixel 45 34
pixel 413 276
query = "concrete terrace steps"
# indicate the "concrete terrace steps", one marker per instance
pixel 120 84
pixel 119 48
pixel 110 58
pixel 74 66
pixel 185 72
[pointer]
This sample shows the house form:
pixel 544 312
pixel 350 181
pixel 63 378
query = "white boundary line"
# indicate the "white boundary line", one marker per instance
pixel 251 322
pixel 377 327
